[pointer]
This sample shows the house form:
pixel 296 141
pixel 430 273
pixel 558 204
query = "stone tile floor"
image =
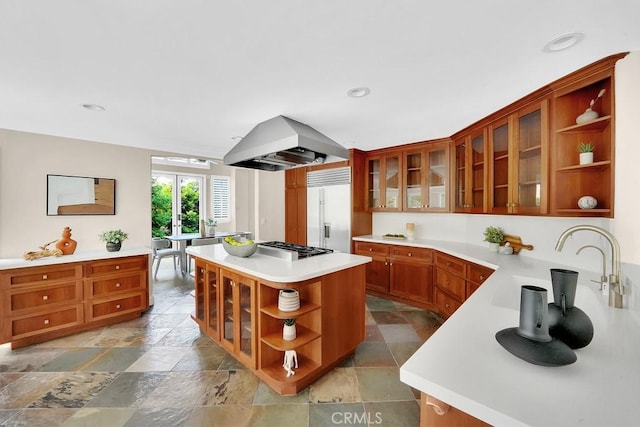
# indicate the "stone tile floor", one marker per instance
pixel 159 370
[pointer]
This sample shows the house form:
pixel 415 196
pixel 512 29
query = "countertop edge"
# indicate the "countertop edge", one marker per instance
pixel 11 263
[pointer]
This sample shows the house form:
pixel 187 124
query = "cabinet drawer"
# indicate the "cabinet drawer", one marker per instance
pixel 121 283
pixel 116 307
pixel 478 274
pixel 34 325
pixel 37 298
pixel 446 304
pixel 452 284
pixel 409 252
pixel 40 275
pixel 452 264
pixel 116 265
pixel 365 248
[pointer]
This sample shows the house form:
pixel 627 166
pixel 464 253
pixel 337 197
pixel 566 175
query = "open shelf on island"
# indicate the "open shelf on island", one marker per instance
pixel 305 307
pixel 278 373
pixel 303 336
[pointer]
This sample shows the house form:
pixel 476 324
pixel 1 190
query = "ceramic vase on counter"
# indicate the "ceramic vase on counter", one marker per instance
pixel 567 322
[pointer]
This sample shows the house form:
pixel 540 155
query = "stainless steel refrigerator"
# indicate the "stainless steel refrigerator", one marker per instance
pixel 329 209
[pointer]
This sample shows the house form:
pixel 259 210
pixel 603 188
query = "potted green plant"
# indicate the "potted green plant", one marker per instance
pixel 494 236
pixel 586 150
pixel 114 239
pixel 289 330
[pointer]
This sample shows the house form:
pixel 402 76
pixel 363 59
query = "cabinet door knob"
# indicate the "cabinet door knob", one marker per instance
pixel 118 306
pixel 481 277
pixel 370 249
pixel 46 321
pixel 117 267
pixel 45 277
pixel 117 285
pixel 448 305
pixel 45 297
pixel 409 253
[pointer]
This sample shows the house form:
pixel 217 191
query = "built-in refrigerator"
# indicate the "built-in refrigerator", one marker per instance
pixel 329 209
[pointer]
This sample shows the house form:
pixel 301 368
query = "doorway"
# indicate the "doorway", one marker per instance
pixel 176 203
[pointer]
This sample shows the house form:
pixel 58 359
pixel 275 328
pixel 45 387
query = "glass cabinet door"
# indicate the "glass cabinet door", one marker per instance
pixel 414 176
pixel 373 184
pixel 461 176
pixel 477 172
pixel 228 332
pixel 200 286
pixel 212 286
pixel 246 324
pixel 532 137
pixel 437 180
pixel 392 182
pixel 500 176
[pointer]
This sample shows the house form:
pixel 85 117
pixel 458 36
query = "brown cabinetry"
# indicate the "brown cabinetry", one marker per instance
pixel 426 177
pixel 238 302
pixel 572 180
pixel 377 271
pixel 46 302
pixel 295 198
pixel 455 280
pixel 206 295
pixel 470 172
pixel 384 182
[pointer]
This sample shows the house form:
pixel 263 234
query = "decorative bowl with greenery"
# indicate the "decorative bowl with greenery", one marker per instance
pixel 114 239
pixel 493 235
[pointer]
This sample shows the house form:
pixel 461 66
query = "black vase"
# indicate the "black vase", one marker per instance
pixel 566 322
pixel 114 247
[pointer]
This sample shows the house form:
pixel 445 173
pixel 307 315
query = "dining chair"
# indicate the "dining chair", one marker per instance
pixel 162 249
pixel 201 242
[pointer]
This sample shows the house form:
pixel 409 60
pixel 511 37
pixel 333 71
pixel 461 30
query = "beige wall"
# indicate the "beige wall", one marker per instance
pixel 26 159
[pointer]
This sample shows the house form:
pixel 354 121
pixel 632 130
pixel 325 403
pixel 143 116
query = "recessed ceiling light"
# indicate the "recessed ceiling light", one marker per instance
pixel 93 107
pixel 358 92
pixel 563 42
pixel 236 138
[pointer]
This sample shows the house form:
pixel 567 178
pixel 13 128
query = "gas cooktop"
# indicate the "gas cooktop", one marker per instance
pixel 290 250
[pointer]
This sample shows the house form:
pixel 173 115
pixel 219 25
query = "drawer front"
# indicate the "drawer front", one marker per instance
pixel 446 304
pixel 116 265
pixel 452 264
pixel 454 285
pixel 365 248
pixel 41 323
pixel 45 274
pixel 43 296
pixel 416 254
pixel 103 287
pixel 116 307
pixel 479 274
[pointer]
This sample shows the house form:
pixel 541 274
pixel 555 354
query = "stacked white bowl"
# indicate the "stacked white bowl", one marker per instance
pixel 288 300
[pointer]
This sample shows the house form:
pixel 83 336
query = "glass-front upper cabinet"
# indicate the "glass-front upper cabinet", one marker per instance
pixel 384 181
pixel 426 178
pixel 461 203
pixel 471 171
pixel 519 154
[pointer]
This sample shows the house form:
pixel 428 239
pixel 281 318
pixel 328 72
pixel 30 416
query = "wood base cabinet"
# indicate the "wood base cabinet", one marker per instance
pixel 52 301
pixel 435 413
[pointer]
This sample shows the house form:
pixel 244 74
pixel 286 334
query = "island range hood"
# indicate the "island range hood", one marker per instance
pixel 282 143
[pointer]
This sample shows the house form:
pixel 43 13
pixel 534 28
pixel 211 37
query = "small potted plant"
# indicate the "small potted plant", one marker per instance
pixel 114 239
pixel 586 150
pixel 494 236
pixel 211 223
pixel 289 330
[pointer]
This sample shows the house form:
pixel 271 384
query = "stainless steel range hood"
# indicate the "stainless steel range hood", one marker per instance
pixel 282 143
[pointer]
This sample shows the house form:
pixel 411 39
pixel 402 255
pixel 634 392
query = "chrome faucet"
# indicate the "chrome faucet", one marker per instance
pixel 616 289
pixel 603 276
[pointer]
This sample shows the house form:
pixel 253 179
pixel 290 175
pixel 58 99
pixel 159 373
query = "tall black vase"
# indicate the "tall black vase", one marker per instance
pixel 567 322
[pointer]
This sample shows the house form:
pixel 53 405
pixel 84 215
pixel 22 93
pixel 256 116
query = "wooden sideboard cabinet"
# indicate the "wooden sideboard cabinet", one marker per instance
pixel 51 301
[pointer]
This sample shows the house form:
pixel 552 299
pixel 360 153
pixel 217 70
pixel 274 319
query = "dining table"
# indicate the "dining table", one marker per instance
pixel 186 239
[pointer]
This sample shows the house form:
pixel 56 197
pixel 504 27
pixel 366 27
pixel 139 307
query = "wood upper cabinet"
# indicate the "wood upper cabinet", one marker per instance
pixel 295 196
pixel 471 172
pixel 518 147
pixel 384 182
pixel 426 178
pixel 570 179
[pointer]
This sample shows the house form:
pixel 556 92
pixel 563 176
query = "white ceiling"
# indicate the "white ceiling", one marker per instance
pixel 188 75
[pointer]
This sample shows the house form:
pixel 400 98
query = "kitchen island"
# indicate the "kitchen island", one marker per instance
pixel 463 365
pixel 236 304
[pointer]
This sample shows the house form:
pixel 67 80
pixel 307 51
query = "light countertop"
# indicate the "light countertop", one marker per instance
pixel 8 263
pixel 463 365
pixel 279 270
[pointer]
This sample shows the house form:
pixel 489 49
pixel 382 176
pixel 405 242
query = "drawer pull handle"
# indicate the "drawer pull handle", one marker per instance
pixel 46 321
pixel 117 285
pixel 45 297
pixel 370 249
pixel 117 267
pixel 45 277
pixel 481 277
pixel 448 305
pixel 118 306
pixel 409 253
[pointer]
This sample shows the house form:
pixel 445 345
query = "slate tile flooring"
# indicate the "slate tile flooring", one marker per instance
pixel 159 370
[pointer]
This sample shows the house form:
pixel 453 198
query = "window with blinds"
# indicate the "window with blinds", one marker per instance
pixel 221 198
